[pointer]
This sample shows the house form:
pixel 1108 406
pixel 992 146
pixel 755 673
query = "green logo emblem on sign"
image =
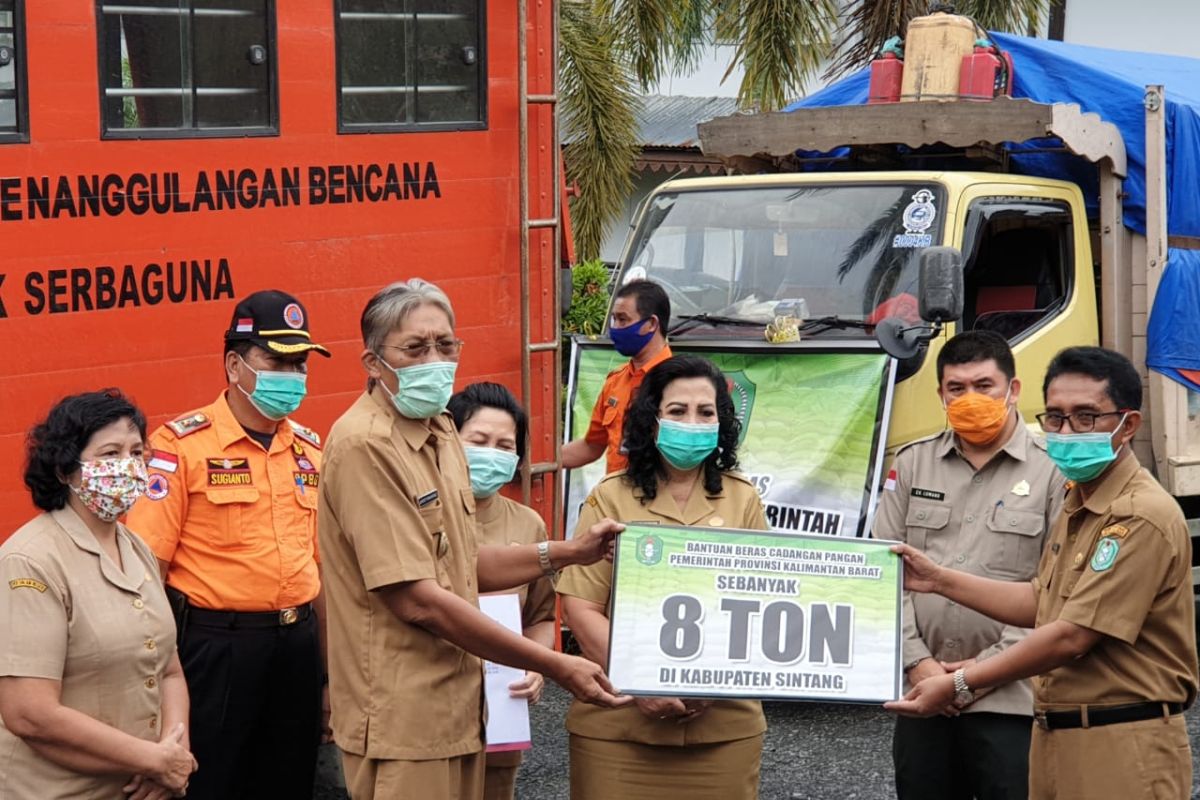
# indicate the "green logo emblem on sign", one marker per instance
pixel 649 550
pixel 741 391
pixel 1106 553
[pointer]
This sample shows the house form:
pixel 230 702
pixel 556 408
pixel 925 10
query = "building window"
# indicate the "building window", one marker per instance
pixel 174 68
pixel 410 65
pixel 13 116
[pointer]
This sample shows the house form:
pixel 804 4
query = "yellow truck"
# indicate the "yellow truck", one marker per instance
pixel 1054 202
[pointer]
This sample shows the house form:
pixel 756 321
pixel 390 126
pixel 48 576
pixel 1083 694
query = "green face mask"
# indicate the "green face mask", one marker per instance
pixel 491 468
pixel 686 444
pixel 276 394
pixel 423 389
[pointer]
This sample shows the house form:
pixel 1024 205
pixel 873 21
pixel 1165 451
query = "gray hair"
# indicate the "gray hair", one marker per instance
pixel 391 305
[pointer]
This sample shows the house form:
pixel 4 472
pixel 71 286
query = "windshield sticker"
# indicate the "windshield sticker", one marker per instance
pixel 918 218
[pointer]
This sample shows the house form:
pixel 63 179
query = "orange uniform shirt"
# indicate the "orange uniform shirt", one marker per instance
pixel 236 523
pixel 608 417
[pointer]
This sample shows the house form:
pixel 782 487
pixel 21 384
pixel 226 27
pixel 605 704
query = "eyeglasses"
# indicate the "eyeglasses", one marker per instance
pixel 1081 421
pixel 450 348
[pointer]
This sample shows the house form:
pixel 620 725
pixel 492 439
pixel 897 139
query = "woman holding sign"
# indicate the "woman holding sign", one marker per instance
pixel 681 435
pixel 492 426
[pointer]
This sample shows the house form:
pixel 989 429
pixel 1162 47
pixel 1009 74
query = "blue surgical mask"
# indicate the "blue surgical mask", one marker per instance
pixel 276 394
pixel 1081 457
pixel 491 468
pixel 686 444
pixel 627 340
pixel 423 389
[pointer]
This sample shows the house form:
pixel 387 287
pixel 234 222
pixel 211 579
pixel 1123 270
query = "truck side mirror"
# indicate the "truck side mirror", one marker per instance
pixel 941 284
pixel 940 301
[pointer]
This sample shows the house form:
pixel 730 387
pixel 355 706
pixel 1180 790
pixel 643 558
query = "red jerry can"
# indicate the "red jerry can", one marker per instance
pixel 887 71
pixel 985 74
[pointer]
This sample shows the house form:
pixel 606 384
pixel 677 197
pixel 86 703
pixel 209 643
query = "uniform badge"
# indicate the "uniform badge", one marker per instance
pixel 1021 489
pixel 163 461
pixel 293 317
pixel 1106 553
pixel 157 487
pixel 229 472
pixel 26 583
pixel 307 434
pixel 591 501
pixel 186 426
pixel 1119 531
pixel 1078 559
pixel 716 522
pixel 890 484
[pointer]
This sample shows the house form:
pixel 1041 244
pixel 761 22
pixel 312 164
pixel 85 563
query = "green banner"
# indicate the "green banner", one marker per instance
pixel 811 432
pixel 713 612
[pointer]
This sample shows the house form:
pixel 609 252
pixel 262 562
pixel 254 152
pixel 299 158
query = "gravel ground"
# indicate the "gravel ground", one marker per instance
pixel 813 751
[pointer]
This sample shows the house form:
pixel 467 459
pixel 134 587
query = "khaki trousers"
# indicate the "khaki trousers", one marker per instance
pixel 1146 760
pixel 459 778
pixel 616 770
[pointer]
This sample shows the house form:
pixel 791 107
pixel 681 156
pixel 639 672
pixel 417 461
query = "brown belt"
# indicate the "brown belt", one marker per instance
pixel 1107 715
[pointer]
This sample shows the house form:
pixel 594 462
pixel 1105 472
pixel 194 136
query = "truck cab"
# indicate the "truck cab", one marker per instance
pixel 841 252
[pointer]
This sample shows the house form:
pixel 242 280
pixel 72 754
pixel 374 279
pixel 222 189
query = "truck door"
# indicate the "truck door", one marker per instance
pixel 1027 275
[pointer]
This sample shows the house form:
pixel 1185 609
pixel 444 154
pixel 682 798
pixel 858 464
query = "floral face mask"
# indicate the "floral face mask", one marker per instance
pixel 108 487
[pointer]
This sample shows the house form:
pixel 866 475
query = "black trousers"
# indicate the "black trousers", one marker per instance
pixel 980 755
pixel 256 710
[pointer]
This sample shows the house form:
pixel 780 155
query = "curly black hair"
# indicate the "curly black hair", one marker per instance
pixel 640 433
pixel 53 446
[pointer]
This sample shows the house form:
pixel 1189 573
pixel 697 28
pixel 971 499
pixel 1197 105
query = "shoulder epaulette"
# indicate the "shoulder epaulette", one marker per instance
pixel 739 477
pixel 307 434
pixel 189 423
pixel 931 437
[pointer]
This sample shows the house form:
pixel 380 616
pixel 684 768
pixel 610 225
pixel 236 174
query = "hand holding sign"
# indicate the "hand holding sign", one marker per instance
pixel 921 574
pixel 929 697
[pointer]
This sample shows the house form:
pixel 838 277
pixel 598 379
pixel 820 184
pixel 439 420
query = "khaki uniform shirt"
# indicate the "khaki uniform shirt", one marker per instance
pixel 992 523
pixel 69 614
pixel 507 522
pixel 1119 563
pixel 236 524
pixel 396 506
pixel 736 506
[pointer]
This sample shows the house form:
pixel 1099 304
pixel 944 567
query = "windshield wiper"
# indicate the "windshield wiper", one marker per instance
pixel 822 324
pixel 692 320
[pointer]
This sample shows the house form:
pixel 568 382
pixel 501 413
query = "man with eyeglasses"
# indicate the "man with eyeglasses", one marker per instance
pixel 981 496
pixel 1114 648
pixel 403 569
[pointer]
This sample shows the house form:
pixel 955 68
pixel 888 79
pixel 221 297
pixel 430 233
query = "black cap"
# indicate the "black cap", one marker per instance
pixel 274 321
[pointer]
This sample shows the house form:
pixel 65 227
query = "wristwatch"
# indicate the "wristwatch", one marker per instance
pixel 963 696
pixel 543 551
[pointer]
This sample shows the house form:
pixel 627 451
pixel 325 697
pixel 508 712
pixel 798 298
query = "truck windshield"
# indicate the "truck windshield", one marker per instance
pixel 733 256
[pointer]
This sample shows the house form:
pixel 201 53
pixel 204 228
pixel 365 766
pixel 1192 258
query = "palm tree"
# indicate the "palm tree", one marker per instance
pixel 614 50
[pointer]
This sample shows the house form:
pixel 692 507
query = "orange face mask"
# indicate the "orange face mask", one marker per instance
pixel 977 418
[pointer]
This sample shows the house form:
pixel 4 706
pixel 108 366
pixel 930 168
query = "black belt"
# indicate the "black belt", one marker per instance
pixel 248 619
pixel 1107 715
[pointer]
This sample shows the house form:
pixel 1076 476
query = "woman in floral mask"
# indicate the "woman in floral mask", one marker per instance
pixel 92 697
pixel 492 426
pixel 681 435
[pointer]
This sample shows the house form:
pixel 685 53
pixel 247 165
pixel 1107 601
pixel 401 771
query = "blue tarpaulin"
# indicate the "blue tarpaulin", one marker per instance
pixel 1112 84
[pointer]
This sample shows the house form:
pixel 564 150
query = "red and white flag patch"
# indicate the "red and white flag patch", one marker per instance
pixel 890 484
pixel 163 461
pixel 245 325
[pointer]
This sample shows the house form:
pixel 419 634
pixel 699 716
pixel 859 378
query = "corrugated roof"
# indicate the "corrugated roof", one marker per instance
pixel 669 121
